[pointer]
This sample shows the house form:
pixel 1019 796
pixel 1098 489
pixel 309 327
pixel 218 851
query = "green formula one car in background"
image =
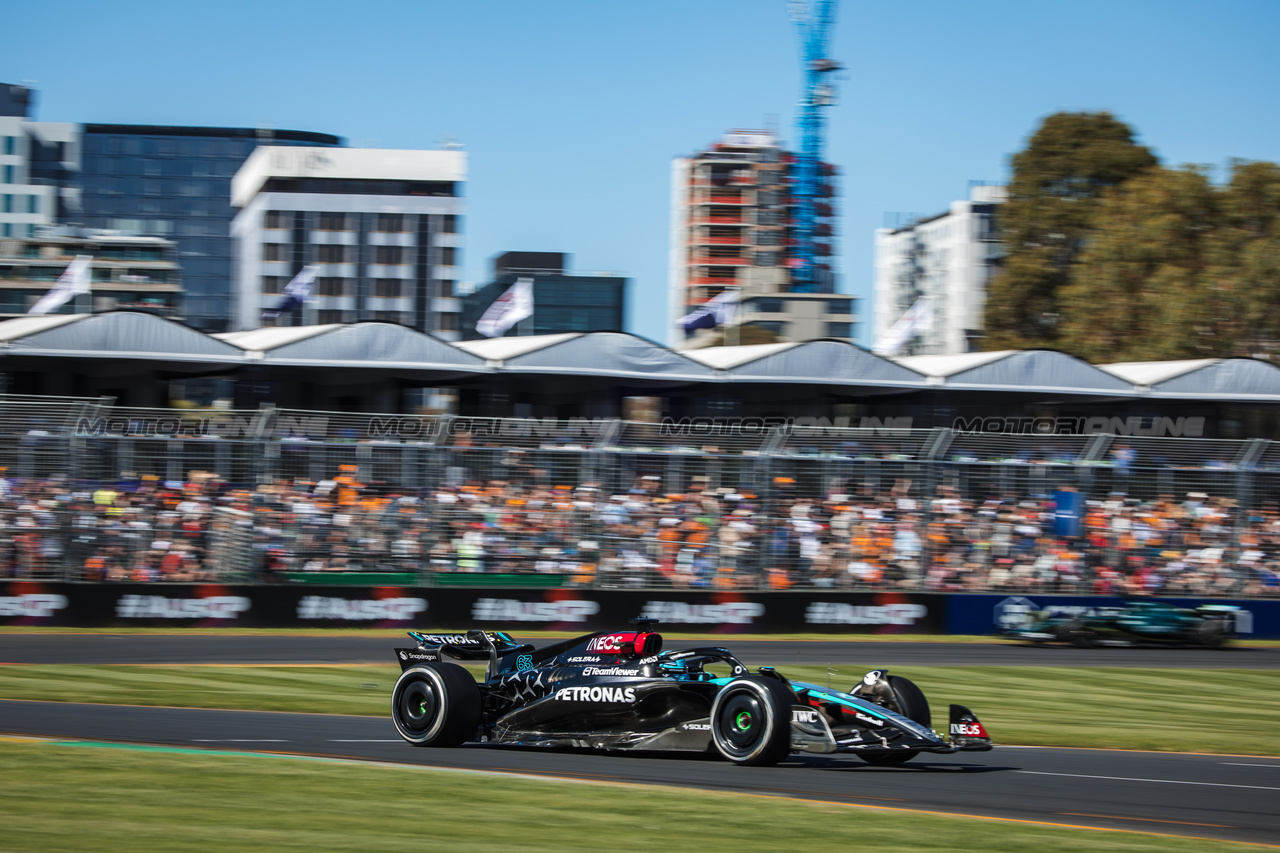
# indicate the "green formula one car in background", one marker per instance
pixel 1135 623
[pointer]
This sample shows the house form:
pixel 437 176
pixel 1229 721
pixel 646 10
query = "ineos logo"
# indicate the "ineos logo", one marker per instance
pixel 608 643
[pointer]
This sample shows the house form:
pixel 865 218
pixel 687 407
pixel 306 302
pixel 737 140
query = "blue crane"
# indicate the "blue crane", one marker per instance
pixel 815 20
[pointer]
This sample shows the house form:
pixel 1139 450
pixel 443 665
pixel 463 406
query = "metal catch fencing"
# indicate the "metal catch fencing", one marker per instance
pixel 271 493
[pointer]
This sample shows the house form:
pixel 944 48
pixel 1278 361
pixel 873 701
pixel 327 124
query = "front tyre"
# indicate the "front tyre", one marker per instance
pixel 910 702
pixel 436 704
pixel 751 721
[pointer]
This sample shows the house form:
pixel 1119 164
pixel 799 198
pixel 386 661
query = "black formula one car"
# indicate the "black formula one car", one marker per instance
pixel 1137 623
pixel 620 691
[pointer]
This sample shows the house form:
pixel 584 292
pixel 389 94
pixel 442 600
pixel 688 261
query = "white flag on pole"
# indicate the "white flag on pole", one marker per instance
pixel 296 293
pixel 717 311
pixel 918 319
pixel 507 310
pixel 73 281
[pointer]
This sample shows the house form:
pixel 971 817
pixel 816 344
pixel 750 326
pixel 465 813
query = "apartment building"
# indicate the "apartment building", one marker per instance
pixel 175 182
pixel 38 164
pixel 127 271
pixel 948 259
pixel 383 228
pixel 731 217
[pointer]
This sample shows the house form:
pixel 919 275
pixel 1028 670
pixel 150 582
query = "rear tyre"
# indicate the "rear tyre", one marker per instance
pixel 1212 635
pixel 751 721
pixel 911 703
pixel 1084 640
pixel 1078 635
pixel 436 704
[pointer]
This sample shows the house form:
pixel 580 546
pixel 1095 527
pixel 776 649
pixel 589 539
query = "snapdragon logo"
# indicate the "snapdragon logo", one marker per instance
pixel 728 613
pixel 410 655
pixel 32 605
pixel 162 607
pixel 840 613
pixel 360 609
pixel 511 610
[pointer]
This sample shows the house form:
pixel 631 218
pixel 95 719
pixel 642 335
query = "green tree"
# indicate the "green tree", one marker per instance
pixel 1176 267
pixel 1246 254
pixel 1057 179
pixel 1142 288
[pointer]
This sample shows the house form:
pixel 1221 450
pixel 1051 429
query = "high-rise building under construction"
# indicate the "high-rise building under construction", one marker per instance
pixel 732 219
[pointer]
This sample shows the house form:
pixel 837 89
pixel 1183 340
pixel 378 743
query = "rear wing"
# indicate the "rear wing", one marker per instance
pixel 473 645
pixel 1236 618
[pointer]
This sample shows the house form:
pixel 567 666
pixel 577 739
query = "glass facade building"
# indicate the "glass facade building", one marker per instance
pixel 175 182
pixel 561 302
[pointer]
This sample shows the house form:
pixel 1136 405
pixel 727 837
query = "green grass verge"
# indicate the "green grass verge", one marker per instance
pixel 62 797
pixel 1150 709
pixel 313 690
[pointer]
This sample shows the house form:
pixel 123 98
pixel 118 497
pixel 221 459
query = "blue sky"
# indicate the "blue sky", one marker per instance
pixel 571 111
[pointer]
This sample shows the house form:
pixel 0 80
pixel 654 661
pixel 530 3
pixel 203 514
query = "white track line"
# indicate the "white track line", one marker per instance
pixel 1161 781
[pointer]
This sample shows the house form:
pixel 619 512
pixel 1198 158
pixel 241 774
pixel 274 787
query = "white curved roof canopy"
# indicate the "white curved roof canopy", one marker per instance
pixel 501 349
pixel 113 334
pixel 140 336
pixel 809 362
pixel 615 355
pixel 1204 378
pixel 1048 371
pixel 355 345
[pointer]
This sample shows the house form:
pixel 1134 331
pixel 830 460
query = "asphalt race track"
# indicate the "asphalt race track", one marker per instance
pixel 340 648
pixel 1210 796
pixel 1196 795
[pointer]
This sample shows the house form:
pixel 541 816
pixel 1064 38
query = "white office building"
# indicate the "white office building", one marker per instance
pixel 37 159
pixel 383 228
pixel 946 259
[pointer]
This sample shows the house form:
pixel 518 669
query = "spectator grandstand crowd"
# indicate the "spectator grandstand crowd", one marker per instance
pixel 645 535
